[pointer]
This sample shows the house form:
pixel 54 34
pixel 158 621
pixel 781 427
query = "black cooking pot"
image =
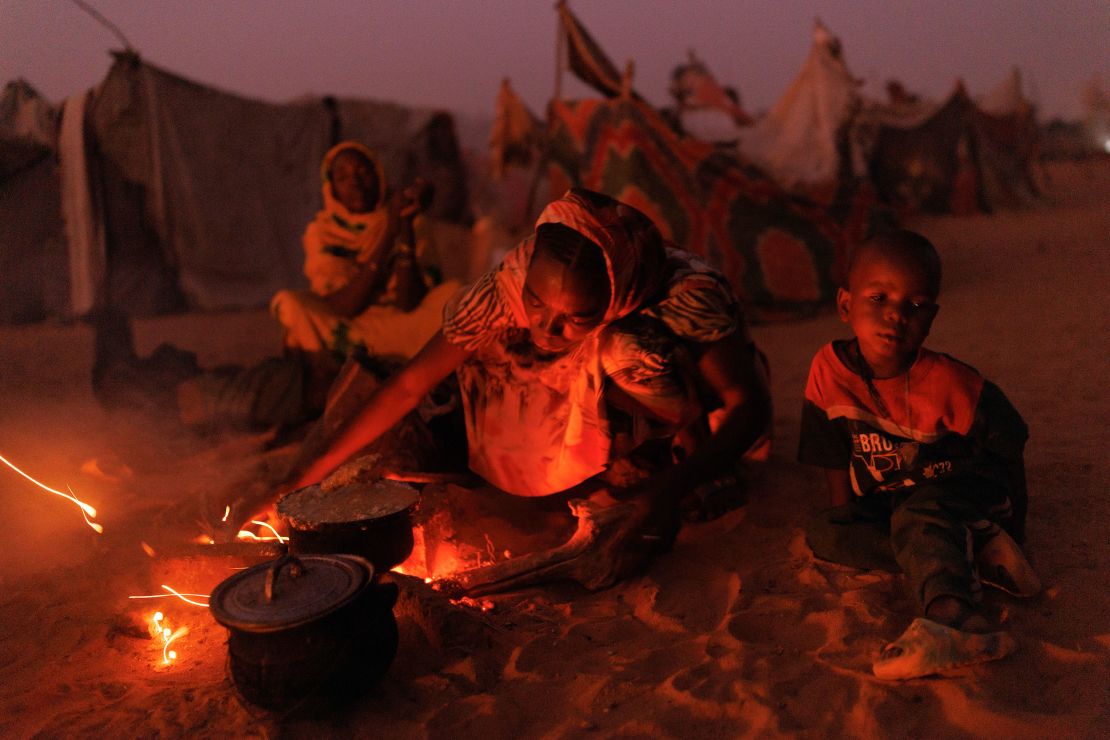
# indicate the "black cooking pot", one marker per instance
pixel 372 520
pixel 306 631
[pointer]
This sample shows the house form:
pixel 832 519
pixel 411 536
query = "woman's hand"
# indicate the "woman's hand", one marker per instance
pixel 413 200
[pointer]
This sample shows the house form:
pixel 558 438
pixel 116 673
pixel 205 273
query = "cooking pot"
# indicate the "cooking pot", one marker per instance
pixel 373 520
pixel 306 630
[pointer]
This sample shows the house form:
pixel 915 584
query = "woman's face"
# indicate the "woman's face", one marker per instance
pixel 354 182
pixel 562 306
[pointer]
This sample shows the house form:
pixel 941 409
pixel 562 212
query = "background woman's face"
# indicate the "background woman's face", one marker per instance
pixel 562 306
pixel 354 181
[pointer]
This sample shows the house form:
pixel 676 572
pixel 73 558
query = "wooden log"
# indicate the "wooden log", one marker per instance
pixel 607 545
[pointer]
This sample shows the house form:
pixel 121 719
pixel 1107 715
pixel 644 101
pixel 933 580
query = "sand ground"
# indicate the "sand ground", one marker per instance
pixel 737 632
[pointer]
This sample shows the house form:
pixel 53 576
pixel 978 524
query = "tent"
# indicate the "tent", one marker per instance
pixel 783 252
pixel 180 196
pixel 703 107
pixel 800 141
pixel 954 157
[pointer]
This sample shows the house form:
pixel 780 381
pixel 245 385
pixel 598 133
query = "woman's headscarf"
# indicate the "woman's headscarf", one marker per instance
pixel 632 245
pixel 337 239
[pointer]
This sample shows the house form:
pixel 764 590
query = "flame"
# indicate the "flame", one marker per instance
pixel 434 558
pixel 87 511
pixel 227 513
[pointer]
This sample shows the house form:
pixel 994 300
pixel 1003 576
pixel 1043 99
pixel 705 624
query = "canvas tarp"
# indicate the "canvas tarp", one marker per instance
pixel 203 195
pixel 32 240
pixel 783 254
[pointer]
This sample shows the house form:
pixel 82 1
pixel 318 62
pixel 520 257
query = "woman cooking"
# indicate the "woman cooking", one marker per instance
pixel 591 341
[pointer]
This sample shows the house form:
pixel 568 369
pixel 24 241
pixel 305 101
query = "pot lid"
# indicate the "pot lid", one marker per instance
pixel 289 592
pixel 354 502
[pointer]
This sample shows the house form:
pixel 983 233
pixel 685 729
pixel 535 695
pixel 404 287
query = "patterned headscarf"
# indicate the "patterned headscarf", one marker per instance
pixel 632 245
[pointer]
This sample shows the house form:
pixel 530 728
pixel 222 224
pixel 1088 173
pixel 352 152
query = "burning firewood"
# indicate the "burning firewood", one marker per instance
pixel 607 545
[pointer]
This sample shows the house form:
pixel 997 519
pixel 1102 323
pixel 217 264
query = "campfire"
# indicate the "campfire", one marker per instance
pixel 444 558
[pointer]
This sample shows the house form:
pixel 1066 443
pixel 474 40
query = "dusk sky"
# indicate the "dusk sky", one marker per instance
pixel 454 53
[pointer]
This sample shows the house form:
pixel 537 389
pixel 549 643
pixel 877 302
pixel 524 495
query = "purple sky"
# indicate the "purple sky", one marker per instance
pixel 453 53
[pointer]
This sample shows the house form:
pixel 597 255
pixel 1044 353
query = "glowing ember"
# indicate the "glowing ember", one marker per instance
pixel 87 511
pixel 162 632
pixel 227 513
pixel 158 627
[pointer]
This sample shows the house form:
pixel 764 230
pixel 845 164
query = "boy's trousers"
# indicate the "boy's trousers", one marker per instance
pixel 930 532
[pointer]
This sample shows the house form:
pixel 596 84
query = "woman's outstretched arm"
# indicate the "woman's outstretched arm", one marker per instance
pixel 396 397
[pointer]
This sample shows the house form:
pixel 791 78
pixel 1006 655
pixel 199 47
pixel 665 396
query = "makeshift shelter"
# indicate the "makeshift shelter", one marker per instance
pixel 949 158
pixel 801 141
pixel 180 196
pixel 783 253
pixel 32 238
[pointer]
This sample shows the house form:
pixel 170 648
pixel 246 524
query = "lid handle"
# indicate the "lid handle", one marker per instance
pixel 296 567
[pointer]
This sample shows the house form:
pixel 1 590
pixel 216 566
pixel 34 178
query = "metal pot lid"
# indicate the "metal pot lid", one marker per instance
pixel 310 507
pixel 289 592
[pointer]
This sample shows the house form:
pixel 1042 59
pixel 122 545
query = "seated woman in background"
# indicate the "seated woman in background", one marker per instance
pixel 374 286
pixel 590 340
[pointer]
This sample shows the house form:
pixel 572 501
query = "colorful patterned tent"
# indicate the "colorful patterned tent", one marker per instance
pixel 782 253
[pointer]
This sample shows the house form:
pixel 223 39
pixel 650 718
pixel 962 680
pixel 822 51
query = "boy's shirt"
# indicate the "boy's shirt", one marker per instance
pixel 939 420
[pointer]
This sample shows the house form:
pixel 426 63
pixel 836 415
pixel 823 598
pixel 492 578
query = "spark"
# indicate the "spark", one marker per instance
pixel 167 654
pixel 267 526
pixel 87 511
pixel 227 513
pixel 247 535
pixel 172 592
pixel 167 636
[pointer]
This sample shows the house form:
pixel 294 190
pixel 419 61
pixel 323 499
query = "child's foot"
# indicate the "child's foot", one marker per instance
pixel 928 648
pixel 1002 564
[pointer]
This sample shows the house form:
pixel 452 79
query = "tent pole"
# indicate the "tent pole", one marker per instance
pixel 559 53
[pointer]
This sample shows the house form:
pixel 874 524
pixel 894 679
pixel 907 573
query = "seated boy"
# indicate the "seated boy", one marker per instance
pixel 923 457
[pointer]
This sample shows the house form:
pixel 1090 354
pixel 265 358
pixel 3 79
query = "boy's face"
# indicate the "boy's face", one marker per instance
pixel 890 306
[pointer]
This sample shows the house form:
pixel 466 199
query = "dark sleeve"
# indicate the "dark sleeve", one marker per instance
pixel 1002 434
pixel 822 442
pixel 1002 430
